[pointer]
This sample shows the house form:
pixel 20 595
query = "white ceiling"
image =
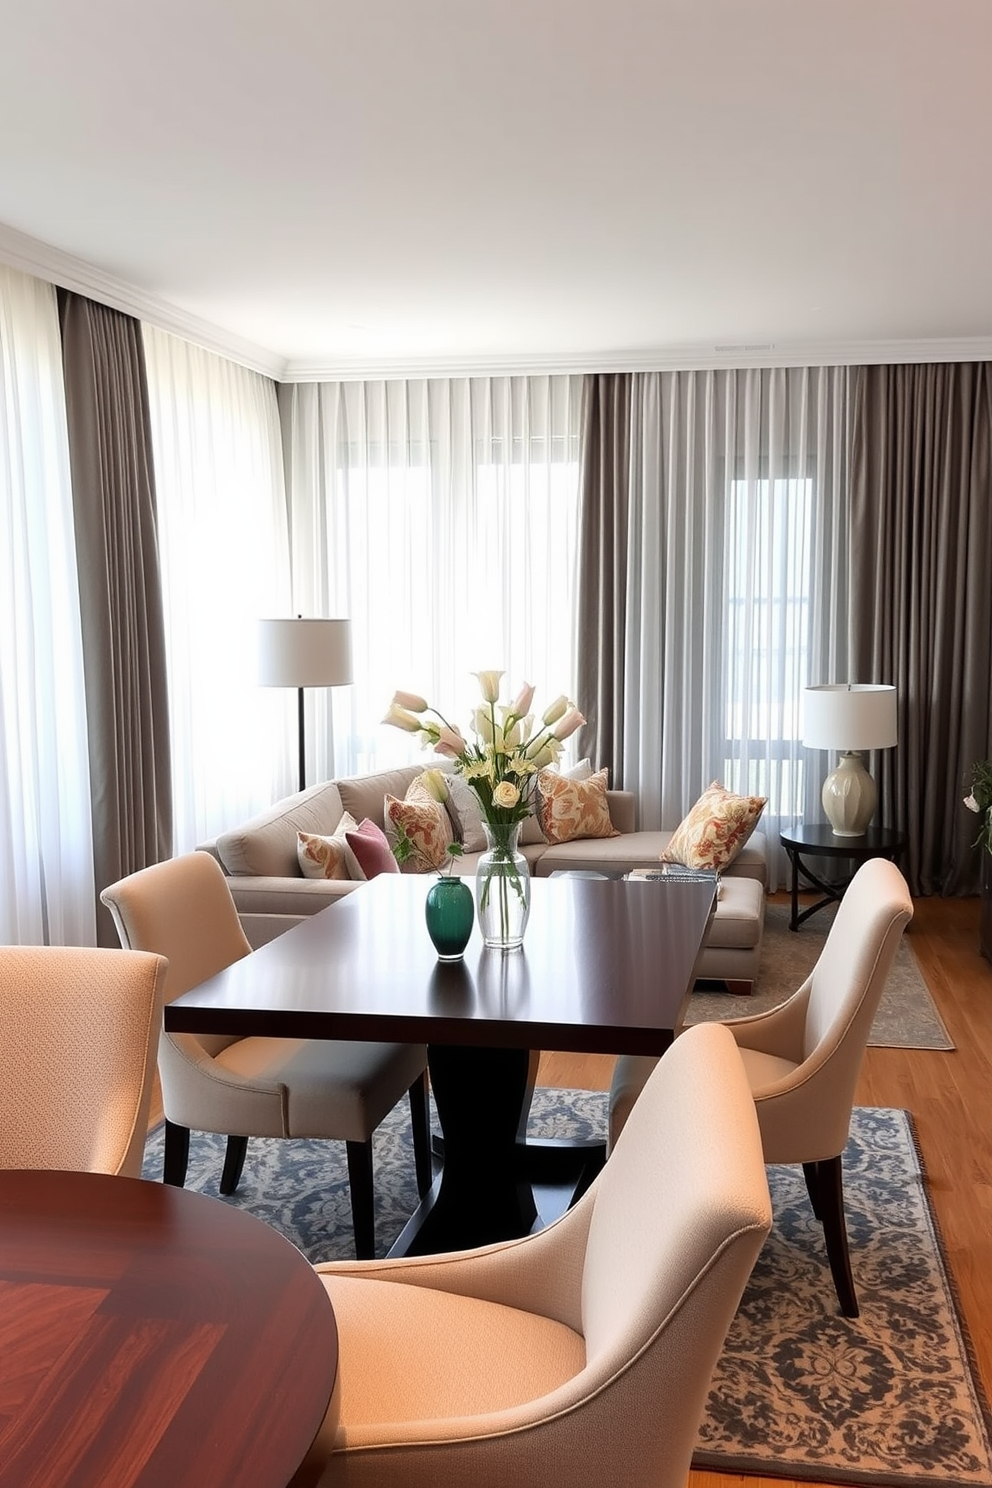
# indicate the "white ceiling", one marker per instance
pixel 343 187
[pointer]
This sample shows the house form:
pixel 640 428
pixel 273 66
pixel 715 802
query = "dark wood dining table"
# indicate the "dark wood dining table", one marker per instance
pixel 151 1337
pixel 606 967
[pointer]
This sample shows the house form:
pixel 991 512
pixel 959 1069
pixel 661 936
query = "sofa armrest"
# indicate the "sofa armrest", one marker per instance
pixel 271 894
pixel 622 807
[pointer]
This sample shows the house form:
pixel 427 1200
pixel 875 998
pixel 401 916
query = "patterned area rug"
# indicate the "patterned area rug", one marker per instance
pixel 906 1017
pixel 800 1391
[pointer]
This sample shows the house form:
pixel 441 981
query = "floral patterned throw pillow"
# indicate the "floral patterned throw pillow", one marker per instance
pixel 330 856
pixel 426 824
pixel 571 809
pixel 715 830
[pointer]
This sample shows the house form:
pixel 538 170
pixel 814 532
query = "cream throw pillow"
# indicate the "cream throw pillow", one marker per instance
pixel 571 809
pixel 328 857
pixel 714 831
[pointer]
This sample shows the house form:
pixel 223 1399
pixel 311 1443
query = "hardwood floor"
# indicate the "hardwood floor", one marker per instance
pixel 948 1094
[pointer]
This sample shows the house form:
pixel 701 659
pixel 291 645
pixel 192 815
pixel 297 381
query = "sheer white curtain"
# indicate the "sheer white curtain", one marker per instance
pixel 738 583
pixel 441 515
pixel 225 565
pixel 47 893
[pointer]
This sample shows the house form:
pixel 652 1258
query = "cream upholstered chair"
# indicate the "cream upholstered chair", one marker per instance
pixel 258 1087
pixel 581 1355
pixel 78 1035
pixel 804 1056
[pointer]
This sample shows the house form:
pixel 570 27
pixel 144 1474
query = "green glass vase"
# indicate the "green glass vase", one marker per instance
pixel 450 914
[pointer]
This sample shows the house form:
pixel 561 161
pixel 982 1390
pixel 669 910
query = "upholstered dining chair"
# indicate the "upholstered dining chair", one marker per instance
pixel 78 1035
pixel 581 1354
pixel 803 1057
pixel 258 1087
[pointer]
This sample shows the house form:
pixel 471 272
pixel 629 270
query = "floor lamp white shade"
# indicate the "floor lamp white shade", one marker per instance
pixel 851 717
pixel 304 653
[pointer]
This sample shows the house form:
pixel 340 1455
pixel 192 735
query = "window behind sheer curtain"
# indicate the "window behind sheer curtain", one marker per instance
pixel 441 516
pixel 224 555
pixel 767 639
pixel 738 583
pixel 47 893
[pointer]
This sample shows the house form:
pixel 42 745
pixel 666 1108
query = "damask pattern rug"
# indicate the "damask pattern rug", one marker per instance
pixel 799 1391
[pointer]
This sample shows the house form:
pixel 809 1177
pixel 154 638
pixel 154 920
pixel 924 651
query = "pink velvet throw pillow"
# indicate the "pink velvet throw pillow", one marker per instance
pixel 372 851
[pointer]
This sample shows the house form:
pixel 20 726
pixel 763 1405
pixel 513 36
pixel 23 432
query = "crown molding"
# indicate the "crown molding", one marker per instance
pixel 662 359
pixel 32 256
pixel 45 262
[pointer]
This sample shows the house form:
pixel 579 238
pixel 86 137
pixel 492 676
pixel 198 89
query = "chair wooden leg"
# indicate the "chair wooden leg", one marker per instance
pixel 813 1188
pixel 234 1161
pixel 420 1121
pixel 362 1199
pixel 176 1158
pixel 830 1187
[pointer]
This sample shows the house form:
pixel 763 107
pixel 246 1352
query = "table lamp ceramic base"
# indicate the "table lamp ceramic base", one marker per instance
pixel 849 797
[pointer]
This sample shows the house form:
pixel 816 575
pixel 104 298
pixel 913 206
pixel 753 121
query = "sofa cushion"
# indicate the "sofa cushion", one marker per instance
pixel 426 826
pixel 574 809
pixel 740 915
pixel 288 896
pixel 638 850
pixel 266 844
pixel 715 829
pixel 365 795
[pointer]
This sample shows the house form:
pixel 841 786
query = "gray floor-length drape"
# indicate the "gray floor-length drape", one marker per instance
pixel 921 613
pixel 602 568
pixel 120 591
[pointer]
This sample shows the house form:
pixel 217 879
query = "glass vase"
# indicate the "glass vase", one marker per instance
pixel 450 913
pixel 502 888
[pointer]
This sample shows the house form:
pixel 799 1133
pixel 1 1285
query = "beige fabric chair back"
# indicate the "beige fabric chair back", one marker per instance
pixel 841 995
pixel 680 1215
pixel 182 909
pixel 646 1271
pixel 78 1035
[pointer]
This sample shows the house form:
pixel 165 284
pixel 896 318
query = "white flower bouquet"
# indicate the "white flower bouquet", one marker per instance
pixel 508 750
pixel 501 765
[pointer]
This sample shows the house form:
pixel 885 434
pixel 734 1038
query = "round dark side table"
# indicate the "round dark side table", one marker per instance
pixel 818 841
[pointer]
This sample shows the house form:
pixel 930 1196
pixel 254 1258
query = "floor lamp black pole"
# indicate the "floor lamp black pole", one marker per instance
pixel 303 747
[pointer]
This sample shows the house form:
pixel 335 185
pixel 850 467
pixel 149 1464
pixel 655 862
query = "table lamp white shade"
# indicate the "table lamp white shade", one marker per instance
pixel 849 717
pixel 304 653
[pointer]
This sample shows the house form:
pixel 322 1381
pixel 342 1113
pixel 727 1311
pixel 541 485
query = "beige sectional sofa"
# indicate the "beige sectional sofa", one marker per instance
pixel 271 893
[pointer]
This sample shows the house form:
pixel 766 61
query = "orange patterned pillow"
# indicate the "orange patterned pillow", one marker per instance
pixel 574 808
pixel 715 830
pixel 327 857
pixel 426 824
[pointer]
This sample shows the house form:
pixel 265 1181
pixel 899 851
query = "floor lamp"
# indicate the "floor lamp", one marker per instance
pixel 849 717
pixel 304 653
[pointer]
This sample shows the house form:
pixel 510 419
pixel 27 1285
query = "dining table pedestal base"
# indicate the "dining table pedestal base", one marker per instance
pixel 485 1189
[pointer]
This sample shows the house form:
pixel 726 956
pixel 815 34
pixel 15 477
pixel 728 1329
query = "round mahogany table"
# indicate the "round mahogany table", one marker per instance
pixel 153 1337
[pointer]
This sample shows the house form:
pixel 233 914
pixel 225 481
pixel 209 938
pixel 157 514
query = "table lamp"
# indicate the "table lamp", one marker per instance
pixel 304 653
pixel 850 717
